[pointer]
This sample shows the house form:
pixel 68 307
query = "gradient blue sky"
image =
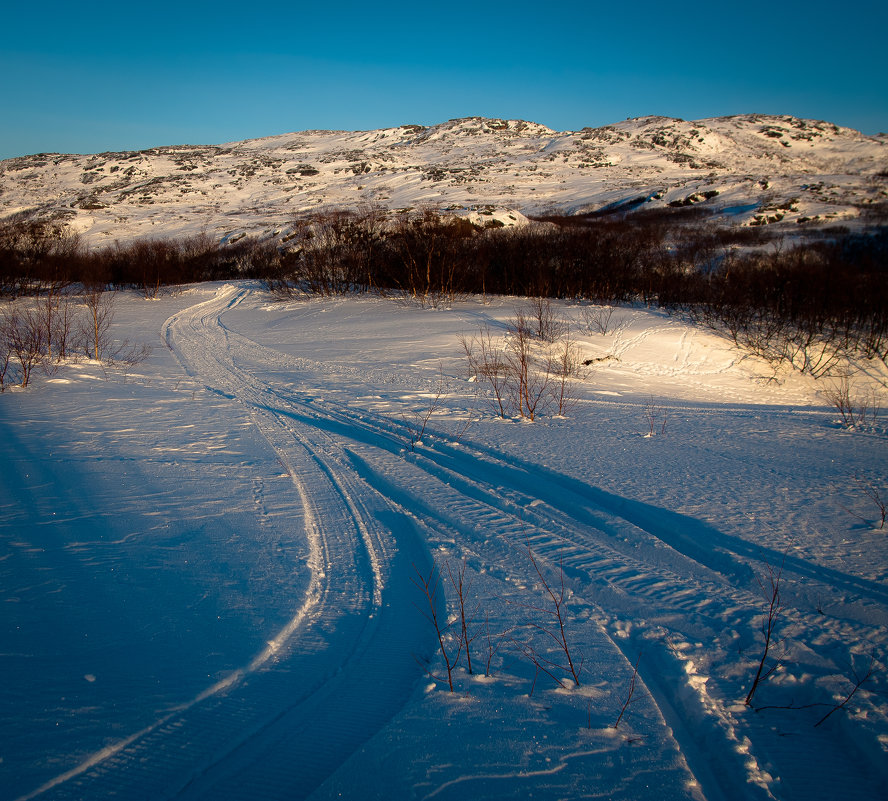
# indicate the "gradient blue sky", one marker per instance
pixel 88 77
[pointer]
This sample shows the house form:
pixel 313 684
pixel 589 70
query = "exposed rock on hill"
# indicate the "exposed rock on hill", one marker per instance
pixel 753 169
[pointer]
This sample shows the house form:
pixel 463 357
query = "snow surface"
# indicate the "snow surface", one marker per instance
pixel 208 566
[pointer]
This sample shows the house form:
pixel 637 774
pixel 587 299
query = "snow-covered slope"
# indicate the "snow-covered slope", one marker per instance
pixel 755 168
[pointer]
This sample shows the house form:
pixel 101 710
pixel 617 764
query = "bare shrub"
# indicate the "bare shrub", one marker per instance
pixel 4 361
pixel 875 493
pixel 56 317
pixel 47 309
pixel 5 348
pixel 655 416
pixel 493 643
pixel 878 498
pixel 599 320
pixel 128 354
pixel 24 339
pixel 421 419
pixel 629 693
pixel 62 328
pixel 523 377
pixel 466 618
pixel 95 327
pixel 566 364
pixel 543 320
pixel 812 304
pixel 855 409
pixel 531 378
pixel 490 367
pixel 554 627
pixel 449 645
pixel 769 584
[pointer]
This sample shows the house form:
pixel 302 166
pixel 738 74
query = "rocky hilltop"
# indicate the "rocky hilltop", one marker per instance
pixel 750 169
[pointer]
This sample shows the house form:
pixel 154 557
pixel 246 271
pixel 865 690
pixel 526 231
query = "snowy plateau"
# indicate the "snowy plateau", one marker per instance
pixel 234 569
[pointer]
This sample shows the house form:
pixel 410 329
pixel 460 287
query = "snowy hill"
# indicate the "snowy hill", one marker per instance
pixel 754 169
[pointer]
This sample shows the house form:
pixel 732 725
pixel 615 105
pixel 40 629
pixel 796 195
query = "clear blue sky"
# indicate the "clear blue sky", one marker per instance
pixel 87 77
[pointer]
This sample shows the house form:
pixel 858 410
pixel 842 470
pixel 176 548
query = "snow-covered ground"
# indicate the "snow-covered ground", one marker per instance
pixel 210 564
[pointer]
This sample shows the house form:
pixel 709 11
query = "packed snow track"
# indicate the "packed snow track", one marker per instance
pixel 341 666
pixel 343 697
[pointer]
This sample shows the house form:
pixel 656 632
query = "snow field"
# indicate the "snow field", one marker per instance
pixel 208 564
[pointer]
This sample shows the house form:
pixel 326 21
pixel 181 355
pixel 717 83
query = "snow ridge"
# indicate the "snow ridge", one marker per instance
pixel 754 169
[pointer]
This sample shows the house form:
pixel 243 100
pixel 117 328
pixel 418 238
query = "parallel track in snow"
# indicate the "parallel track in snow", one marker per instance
pixel 286 721
pixel 683 577
pixel 336 672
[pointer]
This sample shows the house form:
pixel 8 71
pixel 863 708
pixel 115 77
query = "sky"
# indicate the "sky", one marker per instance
pixel 92 76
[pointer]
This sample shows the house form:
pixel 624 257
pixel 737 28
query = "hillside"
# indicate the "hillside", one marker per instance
pixel 754 169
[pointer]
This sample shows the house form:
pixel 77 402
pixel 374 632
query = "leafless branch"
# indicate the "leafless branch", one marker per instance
pixel 557 613
pixel 429 586
pixel 859 680
pixel 461 587
pixel 773 608
pixel 629 694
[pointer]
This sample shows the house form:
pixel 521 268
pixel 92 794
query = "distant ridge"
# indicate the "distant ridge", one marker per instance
pixel 752 169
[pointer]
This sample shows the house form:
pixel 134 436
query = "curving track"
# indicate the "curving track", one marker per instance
pixel 674 577
pixel 338 670
pixel 344 664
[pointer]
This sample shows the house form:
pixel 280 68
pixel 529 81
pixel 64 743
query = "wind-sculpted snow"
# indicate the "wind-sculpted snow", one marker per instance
pixel 260 486
pixel 753 169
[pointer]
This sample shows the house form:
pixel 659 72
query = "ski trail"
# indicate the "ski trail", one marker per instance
pixel 451 493
pixel 455 493
pixel 674 575
pixel 342 664
pixel 493 511
pixel 368 505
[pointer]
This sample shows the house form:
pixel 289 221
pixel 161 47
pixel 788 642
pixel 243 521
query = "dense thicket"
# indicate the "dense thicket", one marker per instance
pixel 37 256
pixel 809 303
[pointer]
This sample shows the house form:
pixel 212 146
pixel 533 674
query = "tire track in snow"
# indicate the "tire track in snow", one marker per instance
pixel 670 600
pixel 459 493
pixel 620 554
pixel 682 580
pixel 340 667
pixel 684 570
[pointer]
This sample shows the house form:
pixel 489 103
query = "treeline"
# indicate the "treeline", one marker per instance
pixel 38 256
pixel 433 257
pixel 426 254
pixel 810 303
